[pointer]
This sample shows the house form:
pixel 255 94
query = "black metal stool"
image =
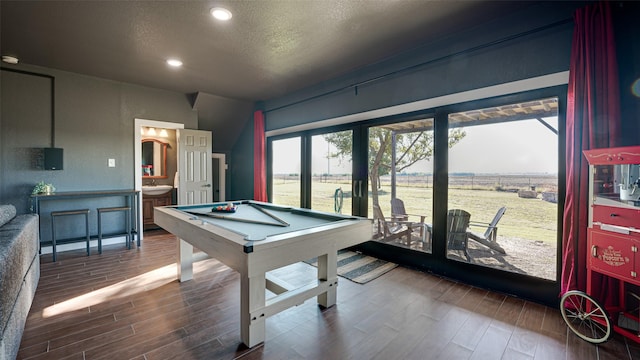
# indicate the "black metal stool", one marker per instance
pixel 127 211
pixel 55 214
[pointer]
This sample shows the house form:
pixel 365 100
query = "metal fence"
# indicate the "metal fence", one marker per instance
pixel 479 182
pixel 504 182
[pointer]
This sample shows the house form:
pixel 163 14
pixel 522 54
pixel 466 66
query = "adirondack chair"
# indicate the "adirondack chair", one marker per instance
pixel 457 231
pixel 491 231
pixel 398 212
pixel 390 228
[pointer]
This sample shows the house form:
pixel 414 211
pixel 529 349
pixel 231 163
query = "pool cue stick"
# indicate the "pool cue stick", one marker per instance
pixel 284 223
pixel 223 217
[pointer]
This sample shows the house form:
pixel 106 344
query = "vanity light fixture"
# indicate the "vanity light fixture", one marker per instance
pixel 174 63
pixel 163 133
pixel 10 59
pixel 221 14
pixel 151 132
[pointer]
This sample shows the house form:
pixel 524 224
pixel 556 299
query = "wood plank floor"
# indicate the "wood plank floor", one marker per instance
pixel 126 304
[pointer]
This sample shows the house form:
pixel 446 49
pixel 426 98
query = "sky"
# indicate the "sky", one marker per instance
pixel 507 148
pixel 515 147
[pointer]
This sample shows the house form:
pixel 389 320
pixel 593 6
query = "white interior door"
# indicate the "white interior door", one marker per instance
pixel 194 167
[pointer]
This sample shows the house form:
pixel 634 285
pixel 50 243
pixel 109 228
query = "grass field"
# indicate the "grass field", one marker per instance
pixel 531 219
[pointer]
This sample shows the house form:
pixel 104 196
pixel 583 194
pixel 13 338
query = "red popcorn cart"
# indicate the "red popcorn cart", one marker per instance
pixel 613 240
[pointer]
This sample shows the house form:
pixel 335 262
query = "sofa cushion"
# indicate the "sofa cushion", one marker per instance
pixel 11 336
pixel 7 212
pixel 18 247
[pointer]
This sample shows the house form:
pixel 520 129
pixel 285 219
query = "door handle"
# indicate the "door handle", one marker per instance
pixel 357 188
pixel 206 185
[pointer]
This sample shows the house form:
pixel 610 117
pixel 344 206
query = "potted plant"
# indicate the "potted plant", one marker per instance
pixel 43 188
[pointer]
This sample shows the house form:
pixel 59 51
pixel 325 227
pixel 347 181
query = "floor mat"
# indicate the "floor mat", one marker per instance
pixel 359 268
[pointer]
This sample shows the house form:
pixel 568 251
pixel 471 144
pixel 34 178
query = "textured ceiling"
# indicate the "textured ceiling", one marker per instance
pixel 269 48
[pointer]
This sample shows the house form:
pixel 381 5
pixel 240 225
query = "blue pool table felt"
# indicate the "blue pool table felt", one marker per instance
pixel 297 219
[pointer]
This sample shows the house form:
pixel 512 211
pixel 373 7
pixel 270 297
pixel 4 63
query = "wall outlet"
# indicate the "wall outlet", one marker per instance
pixel 112 162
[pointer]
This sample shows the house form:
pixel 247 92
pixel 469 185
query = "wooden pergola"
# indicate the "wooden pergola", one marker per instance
pixel 538 110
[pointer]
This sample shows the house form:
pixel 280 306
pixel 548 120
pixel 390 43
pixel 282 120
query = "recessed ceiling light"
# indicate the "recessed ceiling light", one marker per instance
pixel 174 62
pixel 10 59
pixel 221 13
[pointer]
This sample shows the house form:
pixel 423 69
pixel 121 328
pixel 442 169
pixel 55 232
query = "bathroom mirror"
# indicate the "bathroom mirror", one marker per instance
pixel 154 159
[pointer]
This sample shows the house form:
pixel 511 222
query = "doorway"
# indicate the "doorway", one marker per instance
pixel 139 125
pixel 219 168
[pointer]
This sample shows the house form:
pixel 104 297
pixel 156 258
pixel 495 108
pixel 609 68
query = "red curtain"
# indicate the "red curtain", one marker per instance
pixel 259 161
pixel 593 121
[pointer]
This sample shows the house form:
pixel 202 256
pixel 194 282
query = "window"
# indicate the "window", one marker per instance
pixel 495 164
pixel 286 170
pixel 503 187
pixel 401 183
pixel 331 167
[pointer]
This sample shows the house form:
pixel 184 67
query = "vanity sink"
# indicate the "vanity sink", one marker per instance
pixel 156 189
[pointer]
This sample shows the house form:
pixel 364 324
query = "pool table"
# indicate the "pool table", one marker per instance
pixel 254 238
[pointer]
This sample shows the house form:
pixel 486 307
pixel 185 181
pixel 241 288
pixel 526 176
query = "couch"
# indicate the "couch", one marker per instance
pixel 19 275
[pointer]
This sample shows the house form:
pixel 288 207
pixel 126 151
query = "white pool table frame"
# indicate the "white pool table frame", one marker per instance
pixel 272 253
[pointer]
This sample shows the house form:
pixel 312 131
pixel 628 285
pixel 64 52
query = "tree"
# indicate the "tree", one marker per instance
pixel 410 148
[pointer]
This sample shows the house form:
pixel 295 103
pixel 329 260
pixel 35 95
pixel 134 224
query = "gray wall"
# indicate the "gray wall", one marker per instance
pixel 240 172
pixel 94 121
pixel 25 123
pixel 525 45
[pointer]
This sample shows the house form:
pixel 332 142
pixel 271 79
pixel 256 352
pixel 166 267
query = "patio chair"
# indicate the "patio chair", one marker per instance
pixel 398 212
pixel 491 233
pixel 457 231
pixel 390 228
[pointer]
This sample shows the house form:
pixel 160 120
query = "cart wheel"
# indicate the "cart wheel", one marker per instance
pixel 585 317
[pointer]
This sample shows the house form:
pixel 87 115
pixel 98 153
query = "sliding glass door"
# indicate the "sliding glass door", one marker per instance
pixel 401 183
pixel 315 171
pixel 286 168
pixel 331 171
pixel 503 187
pixel 472 190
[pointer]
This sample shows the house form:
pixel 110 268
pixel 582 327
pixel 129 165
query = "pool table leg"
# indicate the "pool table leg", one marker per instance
pixel 252 306
pixel 185 261
pixel 328 271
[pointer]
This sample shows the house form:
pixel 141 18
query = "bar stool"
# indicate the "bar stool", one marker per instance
pixel 127 211
pixel 55 214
